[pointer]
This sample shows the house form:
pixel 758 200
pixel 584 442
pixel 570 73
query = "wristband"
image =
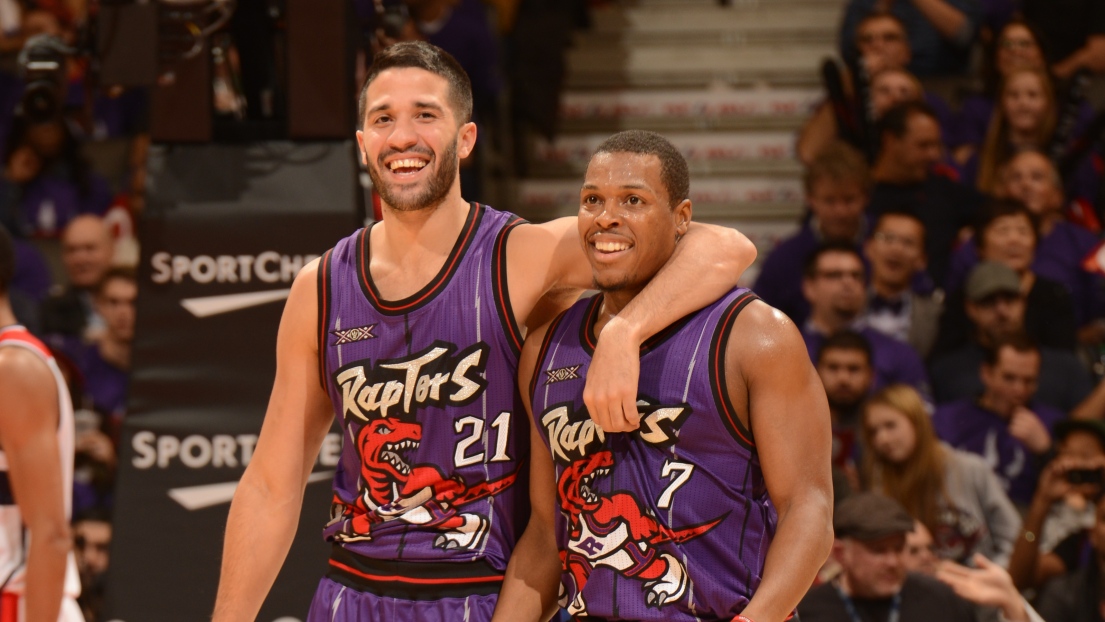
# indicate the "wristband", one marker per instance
pixel 741 618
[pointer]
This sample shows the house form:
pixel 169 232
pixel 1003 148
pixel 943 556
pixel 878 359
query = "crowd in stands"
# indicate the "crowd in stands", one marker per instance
pixel 947 278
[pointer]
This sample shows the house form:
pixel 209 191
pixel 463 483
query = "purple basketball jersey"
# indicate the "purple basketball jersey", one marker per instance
pixel 671 521
pixel 433 440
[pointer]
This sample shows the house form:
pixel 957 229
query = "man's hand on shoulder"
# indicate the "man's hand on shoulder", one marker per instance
pixel 611 385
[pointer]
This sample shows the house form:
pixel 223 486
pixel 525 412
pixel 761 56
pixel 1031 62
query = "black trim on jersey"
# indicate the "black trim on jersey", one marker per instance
pixel 324 287
pixel 413 580
pixel 587 331
pixel 545 343
pixel 425 295
pixel 502 292
pixel 26 542
pixel 725 408
pixel 7 497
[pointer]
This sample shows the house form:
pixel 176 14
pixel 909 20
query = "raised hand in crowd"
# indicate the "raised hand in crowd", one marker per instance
pixel 989 585
pixel 1026 427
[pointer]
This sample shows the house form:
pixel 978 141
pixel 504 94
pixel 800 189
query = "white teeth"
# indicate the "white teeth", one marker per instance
pixel 611 247
pixel 407 163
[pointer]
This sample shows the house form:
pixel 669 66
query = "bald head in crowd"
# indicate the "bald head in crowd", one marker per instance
pixel 87 249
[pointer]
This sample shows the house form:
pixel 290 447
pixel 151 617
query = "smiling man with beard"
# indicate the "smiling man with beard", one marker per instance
pixel 408 332
pixel 718 507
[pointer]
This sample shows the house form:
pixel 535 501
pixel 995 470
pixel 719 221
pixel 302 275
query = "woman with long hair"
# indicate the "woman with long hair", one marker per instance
pixel 1024 118
pixel 954 494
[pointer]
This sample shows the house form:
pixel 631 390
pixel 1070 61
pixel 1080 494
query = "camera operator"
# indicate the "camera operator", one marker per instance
pixel 1062 510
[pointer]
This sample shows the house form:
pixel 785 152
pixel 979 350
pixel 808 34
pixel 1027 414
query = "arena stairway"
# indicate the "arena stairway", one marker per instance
pixel 729 85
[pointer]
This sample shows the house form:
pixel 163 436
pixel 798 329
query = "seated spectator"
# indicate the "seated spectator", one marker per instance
pixel 940 32
pixel 874 585
pixel 92 547
pixel 837 186
pixel 1061 515
pixel 1004 425
pixel 87 249
pixel 896 253
pixel 996 308
pixel 883 47
pixel 953 493
pixel 1008 235
pixel 1077 595
pixel 1031 178
pixel 911 150
pixel 844 365
pixel 94 463
pixel 1075 33
pixel 834 286
pixel 920 551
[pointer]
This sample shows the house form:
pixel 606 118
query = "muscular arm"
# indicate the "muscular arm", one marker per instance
pixel 266 506
pixel 533 574
pixel 769 370
pixel 29 417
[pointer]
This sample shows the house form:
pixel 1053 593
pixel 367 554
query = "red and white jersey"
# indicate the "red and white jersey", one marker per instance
pixel 14 537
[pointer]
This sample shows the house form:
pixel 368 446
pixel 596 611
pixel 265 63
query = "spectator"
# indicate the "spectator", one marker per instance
pixel 883 47
pixel 92 546
pixel 1077 595
pixel 844 365
pixel 1061 515
pixel 920 551
pixel 837 186
pixel 996 308
pixel 988 585
pixel 896 252
pixel 834 286
pixel 905 180
pixel 874 585
pixel 1031 178
pixel 87 249
pixel 1008 235
pixel 1004 425
pixel 106 363
pixel 1075 32
pixel 953 493
pixel 940 31
pixel 94 461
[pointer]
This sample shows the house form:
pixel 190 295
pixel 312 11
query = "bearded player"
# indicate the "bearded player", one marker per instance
pixel 38 576
pixel 408 332
pixel 718 507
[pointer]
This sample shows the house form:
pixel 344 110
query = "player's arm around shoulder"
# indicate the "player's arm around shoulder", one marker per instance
pixel 266 505
pixel 532 579
pixel 29 415
pixel 769 369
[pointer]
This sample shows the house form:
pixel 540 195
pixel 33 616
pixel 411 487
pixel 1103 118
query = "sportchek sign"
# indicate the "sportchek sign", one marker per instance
pixel 218 260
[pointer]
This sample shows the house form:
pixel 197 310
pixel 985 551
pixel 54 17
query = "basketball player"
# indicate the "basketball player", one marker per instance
pixel 38 577
pixel 409 332
pixel 718 507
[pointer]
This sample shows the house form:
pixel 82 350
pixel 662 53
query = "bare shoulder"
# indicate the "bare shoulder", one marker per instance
pixel 22 369
pixel 763 330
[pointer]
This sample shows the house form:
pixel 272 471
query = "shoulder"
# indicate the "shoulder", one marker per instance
pixel 763 327
pixel 1045 288
pixel 937 597
pixel 972 465
pixel 952 412
pixel 22 370
pixel 818 602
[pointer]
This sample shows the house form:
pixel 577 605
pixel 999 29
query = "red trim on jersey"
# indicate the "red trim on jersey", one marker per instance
pixel 506 311
pixel 22 335
pixel 414 580
pixel 9 607
pixel 719 356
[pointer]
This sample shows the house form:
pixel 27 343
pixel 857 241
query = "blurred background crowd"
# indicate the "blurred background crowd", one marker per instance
pixel 928 201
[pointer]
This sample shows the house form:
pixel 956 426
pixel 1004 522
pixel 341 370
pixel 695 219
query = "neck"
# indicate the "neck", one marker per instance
pixel 887 171
pixel 987 401
pixel 1048 220
pixel 1022 139
pixel 402 233
pixel 612 304
pixel 829 322
pixel 115 352
pixel 889 289
pixel 7 316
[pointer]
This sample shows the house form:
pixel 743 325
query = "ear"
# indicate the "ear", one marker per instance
pixel 466 140
pixel 360 148
pixel 682 214
pixel 838 550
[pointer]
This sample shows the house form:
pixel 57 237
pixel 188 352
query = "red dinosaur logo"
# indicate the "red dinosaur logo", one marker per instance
pixel 613 530
pixel 396 493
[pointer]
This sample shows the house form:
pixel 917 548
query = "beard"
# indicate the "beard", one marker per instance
pixel 435 189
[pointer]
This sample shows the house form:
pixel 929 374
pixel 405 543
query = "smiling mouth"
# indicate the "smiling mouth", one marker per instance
pixel 406 166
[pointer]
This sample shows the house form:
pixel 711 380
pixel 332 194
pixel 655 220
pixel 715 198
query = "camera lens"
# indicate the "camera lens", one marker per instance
pixel 41 102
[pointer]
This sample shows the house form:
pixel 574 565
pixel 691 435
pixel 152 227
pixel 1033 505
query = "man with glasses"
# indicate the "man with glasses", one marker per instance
pixel 940 32
pixel 835 286
pixel 896 252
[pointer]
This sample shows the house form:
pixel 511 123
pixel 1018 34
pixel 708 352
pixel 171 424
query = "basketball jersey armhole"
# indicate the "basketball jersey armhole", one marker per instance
pixel 543 352
pixel 501 289
pixel 718 386
pixel 323 313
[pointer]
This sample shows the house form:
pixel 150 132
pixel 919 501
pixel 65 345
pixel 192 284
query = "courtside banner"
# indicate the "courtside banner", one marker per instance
pixel 217 263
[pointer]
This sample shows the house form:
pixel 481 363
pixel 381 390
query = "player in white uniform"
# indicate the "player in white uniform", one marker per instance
pixel 38 577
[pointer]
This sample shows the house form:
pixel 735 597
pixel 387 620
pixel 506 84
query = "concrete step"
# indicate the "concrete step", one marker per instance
pixel 708 153
pixel 696 64
pixel 685 110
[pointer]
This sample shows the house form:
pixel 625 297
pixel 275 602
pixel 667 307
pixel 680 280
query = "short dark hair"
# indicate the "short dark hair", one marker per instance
pixel 1019 342
pixel 96 513
pixel 116 272
pixel 880 14
pixel 7 261
pixel 840 162
pixel 674 173
pixel 996 208
pixel 422 55
pixel 809 269
pixel 900 213
pixel 846 340
pixel 896 120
